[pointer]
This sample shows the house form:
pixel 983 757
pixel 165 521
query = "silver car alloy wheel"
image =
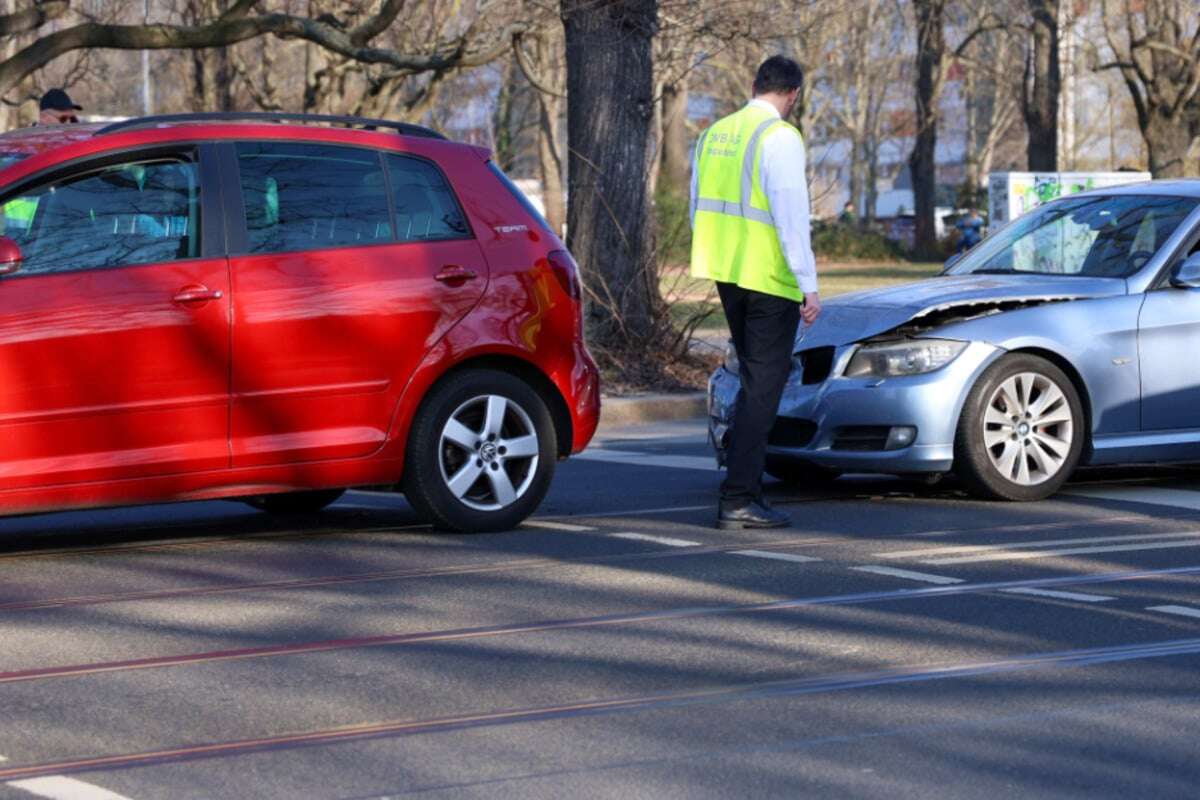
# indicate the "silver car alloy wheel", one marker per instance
pixel 488 452
pixel 1028 427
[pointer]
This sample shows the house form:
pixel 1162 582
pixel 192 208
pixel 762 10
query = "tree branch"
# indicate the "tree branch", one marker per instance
pixel 235 26
pixel 527 70
pixel 32 18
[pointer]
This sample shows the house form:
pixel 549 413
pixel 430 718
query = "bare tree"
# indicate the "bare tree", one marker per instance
pixel 241 21
pixel 854 84
pixel 994 84
pixel 1042 85
pixel 933 59
pixel 1155 46
pixel 610 107
pixel 931 55
pixel 542 58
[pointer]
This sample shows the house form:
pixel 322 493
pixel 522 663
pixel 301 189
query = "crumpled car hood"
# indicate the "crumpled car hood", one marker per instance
pixel 859 315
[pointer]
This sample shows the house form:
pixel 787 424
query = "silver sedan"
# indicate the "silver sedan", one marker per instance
pixel 1070 336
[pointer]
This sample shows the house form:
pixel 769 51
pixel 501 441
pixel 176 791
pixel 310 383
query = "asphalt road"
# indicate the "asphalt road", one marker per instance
pixel 898 641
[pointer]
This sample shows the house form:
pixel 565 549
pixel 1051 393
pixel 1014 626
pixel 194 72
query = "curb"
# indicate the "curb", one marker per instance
pixel 652 408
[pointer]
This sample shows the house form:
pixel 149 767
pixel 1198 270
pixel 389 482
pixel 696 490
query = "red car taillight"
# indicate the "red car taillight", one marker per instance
pixel 567 273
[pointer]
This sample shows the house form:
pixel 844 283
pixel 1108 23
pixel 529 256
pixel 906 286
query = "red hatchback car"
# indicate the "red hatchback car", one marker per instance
pixel 232 306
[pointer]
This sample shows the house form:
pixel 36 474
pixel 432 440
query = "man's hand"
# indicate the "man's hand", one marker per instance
pixel 811 308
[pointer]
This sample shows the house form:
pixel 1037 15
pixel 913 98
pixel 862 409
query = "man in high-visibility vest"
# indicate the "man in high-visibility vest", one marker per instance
pixel 750 220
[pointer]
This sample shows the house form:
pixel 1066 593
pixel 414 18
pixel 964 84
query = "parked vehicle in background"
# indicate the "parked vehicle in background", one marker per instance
pixel 1067 337
pixel 203 306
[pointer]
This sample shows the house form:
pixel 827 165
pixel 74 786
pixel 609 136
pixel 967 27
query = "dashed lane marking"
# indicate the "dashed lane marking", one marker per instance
pixel 1025 555
pixel 1150 495
pixel 667 540
pixel 60 787
pixel 668 510
pixel 636 459
pixel 910 575
pixel 776 556
pixel 557 526
pixel 953 550
pixel 1181 611
pixel 1077 596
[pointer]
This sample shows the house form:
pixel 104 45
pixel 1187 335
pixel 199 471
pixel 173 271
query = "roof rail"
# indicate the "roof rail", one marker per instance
pixel 406 128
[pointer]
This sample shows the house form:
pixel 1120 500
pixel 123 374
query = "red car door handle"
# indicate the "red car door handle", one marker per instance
pixel 453 273
pixel 197 294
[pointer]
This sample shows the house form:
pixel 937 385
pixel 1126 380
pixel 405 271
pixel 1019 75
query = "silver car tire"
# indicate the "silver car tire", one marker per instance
pixel 1021 431
pixel 481 453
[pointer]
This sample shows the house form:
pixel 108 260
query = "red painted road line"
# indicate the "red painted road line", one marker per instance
pixel 459 634
pixel 398 574
pixel 121 548
pixel 722 694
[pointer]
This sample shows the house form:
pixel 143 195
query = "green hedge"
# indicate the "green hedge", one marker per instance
pixel 838 241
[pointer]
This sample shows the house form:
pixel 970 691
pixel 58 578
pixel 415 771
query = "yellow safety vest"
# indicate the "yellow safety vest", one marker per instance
pixel 733 233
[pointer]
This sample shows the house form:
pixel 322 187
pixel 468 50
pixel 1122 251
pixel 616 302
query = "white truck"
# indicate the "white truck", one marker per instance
pixel 1011 194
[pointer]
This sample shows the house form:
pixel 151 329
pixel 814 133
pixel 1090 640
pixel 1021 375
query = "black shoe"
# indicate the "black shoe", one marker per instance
pixel 750 515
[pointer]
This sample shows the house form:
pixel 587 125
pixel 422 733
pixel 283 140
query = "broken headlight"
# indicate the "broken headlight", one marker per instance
pixel 894 359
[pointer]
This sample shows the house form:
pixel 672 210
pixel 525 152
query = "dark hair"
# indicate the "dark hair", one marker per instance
pixel 778 74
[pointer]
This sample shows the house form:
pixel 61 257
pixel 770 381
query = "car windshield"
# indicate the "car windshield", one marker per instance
pixel 1111 237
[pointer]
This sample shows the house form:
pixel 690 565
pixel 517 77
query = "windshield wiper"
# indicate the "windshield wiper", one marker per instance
pixel 996 271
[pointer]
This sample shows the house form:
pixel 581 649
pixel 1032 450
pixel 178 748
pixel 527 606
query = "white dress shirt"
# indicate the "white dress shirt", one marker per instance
pixel 781 170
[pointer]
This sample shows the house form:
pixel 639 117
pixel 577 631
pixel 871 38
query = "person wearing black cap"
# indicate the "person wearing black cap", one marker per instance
pixel 56 108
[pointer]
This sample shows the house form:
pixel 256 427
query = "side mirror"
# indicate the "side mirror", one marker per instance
pixel 1187 274
pixel 10 256
pixel 951 261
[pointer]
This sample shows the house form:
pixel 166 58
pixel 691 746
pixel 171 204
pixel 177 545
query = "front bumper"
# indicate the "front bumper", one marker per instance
pixel 930 403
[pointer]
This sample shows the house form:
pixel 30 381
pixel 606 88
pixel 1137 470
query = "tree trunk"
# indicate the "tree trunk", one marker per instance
pixel 213 80
pixel 610 106
pixel 550 160
pixel 1043 85
pixel 857 178
pixel 503 140
pixel 676 156
pixel 872 195
pixel 931 45
pixel 1168 142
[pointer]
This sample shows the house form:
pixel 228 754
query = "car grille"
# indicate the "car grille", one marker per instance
pixel 792 432
pixel 861 437
pixel 817 362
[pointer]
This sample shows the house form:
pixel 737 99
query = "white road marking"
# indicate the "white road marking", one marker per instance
pixel 1023 555
pixel 670 510
pixel 1179 498
pixel 1183 611
pixel 1080 596
pixel 59 787
pixel 912 576
pixel 556 526
pixel 634 458
pixel 982 548
pixel 776 556
pixel 668 541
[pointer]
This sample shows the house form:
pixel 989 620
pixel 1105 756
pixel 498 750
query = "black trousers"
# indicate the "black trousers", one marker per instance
pixel 763 329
